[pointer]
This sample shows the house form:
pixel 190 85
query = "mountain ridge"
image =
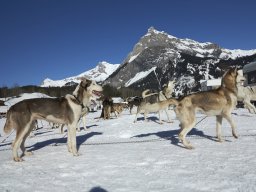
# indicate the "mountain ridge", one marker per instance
pixel 175 58
pixel 159 57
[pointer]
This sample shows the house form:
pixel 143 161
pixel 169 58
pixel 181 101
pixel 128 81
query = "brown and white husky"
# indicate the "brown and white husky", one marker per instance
pixel 219 102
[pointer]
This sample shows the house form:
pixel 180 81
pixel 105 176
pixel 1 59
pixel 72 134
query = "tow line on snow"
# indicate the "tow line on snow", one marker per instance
pixel 7 137
pixel 140 141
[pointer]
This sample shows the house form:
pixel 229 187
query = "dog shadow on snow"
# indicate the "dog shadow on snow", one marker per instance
pixel 150 118
pixel 55 142
pixel 172 136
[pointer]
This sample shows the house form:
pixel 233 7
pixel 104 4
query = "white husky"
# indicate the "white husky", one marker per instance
pixel 163 95
pixel 246 94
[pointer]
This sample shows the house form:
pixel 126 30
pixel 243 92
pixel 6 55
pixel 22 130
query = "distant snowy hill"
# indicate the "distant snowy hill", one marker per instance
pixel 13 100
pixel 99 74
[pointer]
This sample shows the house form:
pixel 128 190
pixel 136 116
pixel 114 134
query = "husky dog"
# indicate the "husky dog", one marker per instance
pixel 246 94
pixel 219 102
pixel 146 108
pixel 118 108
pixel 65 110
pixel 163 95
pixel 167 91
pixel 133 101
pixel 107 104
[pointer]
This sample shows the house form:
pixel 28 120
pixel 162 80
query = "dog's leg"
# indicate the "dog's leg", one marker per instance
pixel 231 122
pixel 131 106
pixel 62 128
pixel 182 137
pixel 135 120
pixel 15 146
pixel 218 127
pixel 160 120
pixel 136 116
pixel 69 140
pixel 78 124
pixel 73 139
pixel 20 135
pixel 116 114
pixel 22 146
pixel 84 122
pixel 186 126
pixel 34 128
pixel 145 116
pixel 249 106
pixel 109 112
pixel 168 115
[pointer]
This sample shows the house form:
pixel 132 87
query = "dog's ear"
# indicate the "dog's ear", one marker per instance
pixel 231 71
pixel 85 82
pixel 171 82
pixel 82 78
pixel 236 69
pixel 240 72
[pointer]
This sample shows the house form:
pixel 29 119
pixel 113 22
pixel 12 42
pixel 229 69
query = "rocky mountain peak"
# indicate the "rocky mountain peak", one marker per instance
pixel 159 57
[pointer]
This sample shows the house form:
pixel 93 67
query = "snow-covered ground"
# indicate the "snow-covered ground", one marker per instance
pixel 118 155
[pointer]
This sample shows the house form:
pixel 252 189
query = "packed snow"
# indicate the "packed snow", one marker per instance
pixel 119 155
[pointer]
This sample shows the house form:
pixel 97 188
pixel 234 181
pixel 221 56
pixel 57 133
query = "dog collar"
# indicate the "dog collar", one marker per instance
pixel 82 105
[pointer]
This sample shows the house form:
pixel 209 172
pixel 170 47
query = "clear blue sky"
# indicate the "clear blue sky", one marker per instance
pixel 63 38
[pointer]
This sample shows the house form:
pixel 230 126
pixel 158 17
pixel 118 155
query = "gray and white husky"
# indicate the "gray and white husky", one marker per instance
pixel 64 110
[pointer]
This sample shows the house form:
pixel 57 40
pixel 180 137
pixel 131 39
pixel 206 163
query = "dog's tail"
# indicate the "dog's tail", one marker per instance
pixel 144 93
pixel 8 124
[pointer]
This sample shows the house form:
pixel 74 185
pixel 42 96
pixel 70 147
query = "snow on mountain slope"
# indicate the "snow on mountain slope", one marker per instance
pixel 99 73
pixel 139 76
pixel 206 49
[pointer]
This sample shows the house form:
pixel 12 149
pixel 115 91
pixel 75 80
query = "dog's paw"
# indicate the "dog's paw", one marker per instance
pixel 235 136
pixel 189 147
pixel 70 150
pixel 219 139
pixel 28 153
pixel 76 154
pixel 18 159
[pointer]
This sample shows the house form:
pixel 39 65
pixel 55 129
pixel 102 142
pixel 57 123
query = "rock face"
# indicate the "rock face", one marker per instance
pixel 159 57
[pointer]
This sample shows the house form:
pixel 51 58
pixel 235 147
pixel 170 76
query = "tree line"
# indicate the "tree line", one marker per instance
pixel 108 90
